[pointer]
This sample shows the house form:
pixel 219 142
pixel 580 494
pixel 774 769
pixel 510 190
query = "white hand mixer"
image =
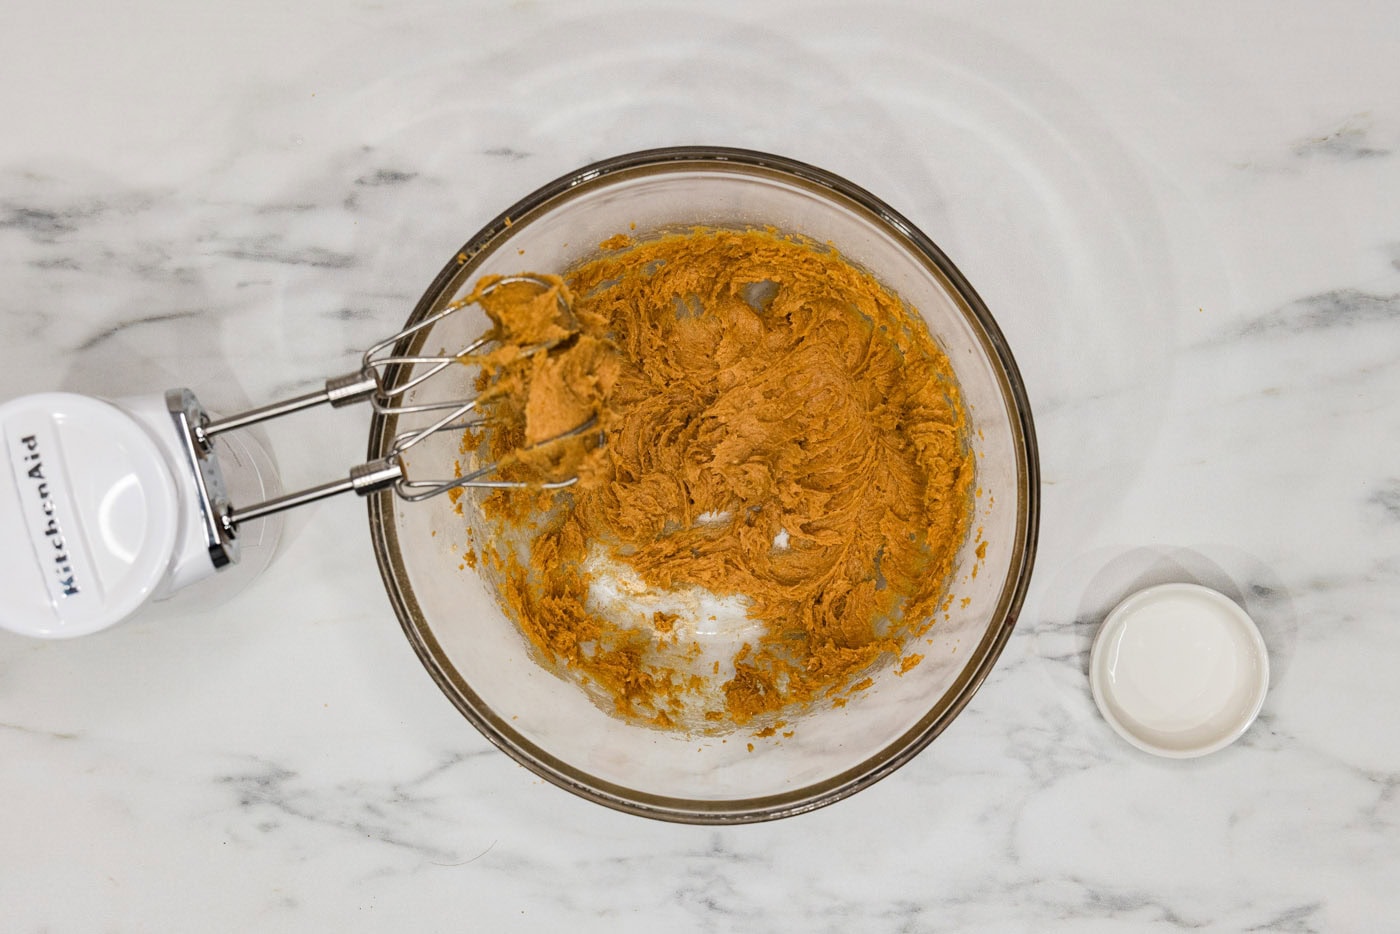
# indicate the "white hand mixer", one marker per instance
pixel 112 504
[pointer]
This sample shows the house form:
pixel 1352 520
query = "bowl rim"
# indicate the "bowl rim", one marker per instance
pixel 894 754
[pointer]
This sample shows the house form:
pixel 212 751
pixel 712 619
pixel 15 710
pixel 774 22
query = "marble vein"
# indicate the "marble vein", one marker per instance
pixel 1387 498
pixel 47 734
pixel 132 324
pixel 267 796
pixel 386 177
pixel 1299 919
pixel 1339 308
pixel 506 152
pixel 270 250
pixel 1350 141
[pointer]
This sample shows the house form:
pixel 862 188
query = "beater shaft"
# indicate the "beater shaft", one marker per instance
pixel 364 479
pixel 339 391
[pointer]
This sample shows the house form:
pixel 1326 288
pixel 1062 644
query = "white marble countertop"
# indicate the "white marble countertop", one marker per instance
pixel 1186 217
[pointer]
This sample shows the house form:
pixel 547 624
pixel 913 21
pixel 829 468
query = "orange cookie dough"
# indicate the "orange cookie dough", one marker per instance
pixel 546 380
pixel 774 430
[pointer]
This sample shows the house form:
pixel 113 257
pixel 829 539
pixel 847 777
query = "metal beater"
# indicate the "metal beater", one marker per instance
pixel 368 383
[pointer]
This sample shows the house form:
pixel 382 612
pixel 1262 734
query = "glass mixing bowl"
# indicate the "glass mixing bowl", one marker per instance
pixel 481 661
